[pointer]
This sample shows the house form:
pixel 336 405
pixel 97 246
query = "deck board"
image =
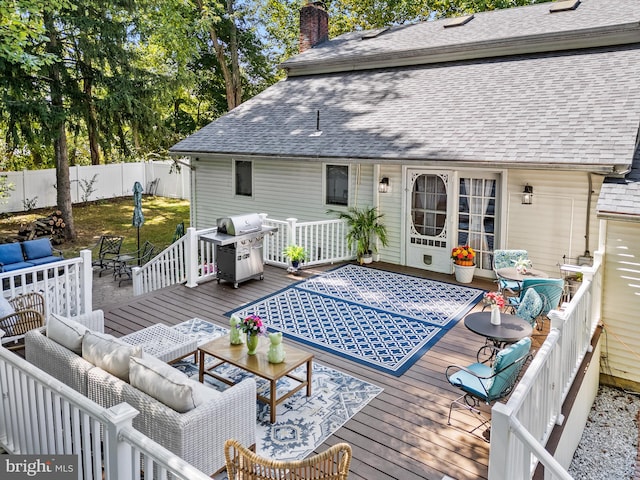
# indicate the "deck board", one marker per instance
pixel 403 433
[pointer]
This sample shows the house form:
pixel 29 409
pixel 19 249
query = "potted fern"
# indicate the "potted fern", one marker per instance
pixel 296 255
pixel 364 226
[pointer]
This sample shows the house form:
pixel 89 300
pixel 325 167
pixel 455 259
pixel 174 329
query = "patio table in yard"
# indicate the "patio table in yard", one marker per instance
pixel 259 365
pixel 163 342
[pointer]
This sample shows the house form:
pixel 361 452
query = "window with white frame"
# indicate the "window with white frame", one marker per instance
pixel 244 178
pixel 337 185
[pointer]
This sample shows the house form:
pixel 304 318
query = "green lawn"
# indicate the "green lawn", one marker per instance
pixel 112 217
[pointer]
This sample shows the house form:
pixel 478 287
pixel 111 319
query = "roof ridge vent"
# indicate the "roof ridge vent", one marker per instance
pixel 458 21
pixel 563 6
pixel 373 33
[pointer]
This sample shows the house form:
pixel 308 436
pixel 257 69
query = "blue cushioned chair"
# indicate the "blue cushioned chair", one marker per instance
pixel 12 258
pixel 505 259
pixel 39 252
pixel 550 291
pixel 487 383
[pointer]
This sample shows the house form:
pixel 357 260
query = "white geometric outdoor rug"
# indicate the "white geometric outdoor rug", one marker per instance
pixel 381 319
pixel 302 423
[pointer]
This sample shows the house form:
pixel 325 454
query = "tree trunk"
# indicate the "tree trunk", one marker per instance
pixel 233 86
pixel 92 122
pixel 63 183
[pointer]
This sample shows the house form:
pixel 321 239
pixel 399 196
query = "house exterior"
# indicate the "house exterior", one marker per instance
pixel 443 126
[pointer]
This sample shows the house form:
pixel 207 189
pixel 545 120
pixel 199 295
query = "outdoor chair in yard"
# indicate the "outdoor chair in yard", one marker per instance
pixel 108 250
pixel 125 262
pixel 332 464
pixel 550 291
pixel 19 315
pixel 488 383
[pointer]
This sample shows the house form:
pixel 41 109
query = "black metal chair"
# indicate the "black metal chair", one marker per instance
pixel 108 250
pixel 125 262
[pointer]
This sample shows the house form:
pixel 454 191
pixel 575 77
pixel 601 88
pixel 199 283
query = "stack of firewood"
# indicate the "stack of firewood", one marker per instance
pixel 51 226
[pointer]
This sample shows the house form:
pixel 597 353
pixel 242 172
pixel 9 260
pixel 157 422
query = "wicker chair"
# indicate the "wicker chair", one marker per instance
pixel 332 464
pixel 29 314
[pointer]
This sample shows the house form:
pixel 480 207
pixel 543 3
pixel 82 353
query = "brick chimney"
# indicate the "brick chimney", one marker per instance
pixel 314 25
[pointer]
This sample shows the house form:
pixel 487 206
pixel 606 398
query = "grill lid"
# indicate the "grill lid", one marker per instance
pixel 240 224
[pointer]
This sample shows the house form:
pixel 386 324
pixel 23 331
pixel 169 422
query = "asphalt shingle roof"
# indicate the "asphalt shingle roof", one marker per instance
pixel 621 196
pixel 494 26
pixel 580 107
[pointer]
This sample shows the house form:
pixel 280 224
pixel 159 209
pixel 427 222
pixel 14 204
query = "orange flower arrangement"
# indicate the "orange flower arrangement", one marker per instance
pixel 463 255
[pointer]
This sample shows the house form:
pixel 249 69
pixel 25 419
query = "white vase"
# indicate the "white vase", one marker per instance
pixel 495 315
pixel 464 273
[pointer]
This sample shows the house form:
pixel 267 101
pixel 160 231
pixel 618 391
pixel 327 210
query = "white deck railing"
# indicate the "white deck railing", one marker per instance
pixel 42 416
pixel 191 260
pixel 521 428
pixel 66 285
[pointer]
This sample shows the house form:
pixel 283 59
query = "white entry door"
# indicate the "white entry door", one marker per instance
pixel 428 223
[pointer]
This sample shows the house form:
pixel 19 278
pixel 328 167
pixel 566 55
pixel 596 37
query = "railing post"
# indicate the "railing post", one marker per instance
pixel 292 230
pixel 118 458
pixel 136 279
pixel 191 260
pixel 501 438
pixel 86 281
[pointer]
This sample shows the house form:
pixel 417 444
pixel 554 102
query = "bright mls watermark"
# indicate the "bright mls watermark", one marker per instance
pixel 51 467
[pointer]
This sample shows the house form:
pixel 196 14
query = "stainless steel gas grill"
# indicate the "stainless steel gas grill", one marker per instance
pixel 238 241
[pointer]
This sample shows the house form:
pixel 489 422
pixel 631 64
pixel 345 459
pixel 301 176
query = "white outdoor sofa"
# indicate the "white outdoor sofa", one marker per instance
pixel 197 435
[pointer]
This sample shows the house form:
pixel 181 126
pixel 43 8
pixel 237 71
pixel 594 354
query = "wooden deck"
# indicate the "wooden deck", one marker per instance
pixel 403 433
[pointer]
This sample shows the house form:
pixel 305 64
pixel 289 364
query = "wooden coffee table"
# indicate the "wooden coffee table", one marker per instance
pixel 259 365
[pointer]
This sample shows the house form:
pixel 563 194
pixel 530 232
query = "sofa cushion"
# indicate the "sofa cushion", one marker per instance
pixel 168 385
pixel 16 266
pixel 11 253
pixel 109 353
pixel 5 307
pixel 39 248
pixel 66 332
pixel 43 260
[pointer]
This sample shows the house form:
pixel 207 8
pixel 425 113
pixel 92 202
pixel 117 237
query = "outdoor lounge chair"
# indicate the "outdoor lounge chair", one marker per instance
pixel 488 383
pixel 28 313
pixel 108 249
pixel 332 464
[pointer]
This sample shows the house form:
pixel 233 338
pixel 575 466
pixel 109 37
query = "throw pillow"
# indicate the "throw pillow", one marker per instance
pixel 168 385
pixel 109 353
pixel 66 332
pixel 5 307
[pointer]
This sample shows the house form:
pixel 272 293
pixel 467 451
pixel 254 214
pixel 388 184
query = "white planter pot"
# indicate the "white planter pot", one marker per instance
pixel 367 258
pixel 464 274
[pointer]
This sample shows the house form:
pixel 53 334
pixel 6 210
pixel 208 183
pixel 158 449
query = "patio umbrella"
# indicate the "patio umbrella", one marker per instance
pixel 138 217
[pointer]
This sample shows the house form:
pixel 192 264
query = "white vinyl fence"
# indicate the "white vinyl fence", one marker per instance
pixel 37 188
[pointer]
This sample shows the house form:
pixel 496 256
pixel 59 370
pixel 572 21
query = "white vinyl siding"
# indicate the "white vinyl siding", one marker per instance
pixel 555 223
pixel 281 189
pixel 621 301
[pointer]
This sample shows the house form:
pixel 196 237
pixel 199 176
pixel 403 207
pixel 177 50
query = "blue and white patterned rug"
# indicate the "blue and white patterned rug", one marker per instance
pixel 381 319
pixel 302 423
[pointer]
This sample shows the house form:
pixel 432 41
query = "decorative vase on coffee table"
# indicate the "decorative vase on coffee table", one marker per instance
pixel 464 273
pixel 252 343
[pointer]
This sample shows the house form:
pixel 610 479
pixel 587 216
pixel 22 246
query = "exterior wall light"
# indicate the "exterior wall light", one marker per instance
pixel 527 195
pixel 383 186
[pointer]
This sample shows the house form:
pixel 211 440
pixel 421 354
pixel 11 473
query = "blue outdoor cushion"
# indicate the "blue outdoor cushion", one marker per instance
pixel 471 383
pixel 16 266
pixel 39 248
pixel 43 260
pixel 11 253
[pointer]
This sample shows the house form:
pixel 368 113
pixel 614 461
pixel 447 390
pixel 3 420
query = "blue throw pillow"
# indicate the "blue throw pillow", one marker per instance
pixel 5 307
pixel 10 253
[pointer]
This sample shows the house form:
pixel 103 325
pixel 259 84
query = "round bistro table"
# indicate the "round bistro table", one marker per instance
pixel 510 273
pixel 511 329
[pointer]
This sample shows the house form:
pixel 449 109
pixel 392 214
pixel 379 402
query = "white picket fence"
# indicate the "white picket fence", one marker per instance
pixel 191 260
pixel 521 428
pixel 113 180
